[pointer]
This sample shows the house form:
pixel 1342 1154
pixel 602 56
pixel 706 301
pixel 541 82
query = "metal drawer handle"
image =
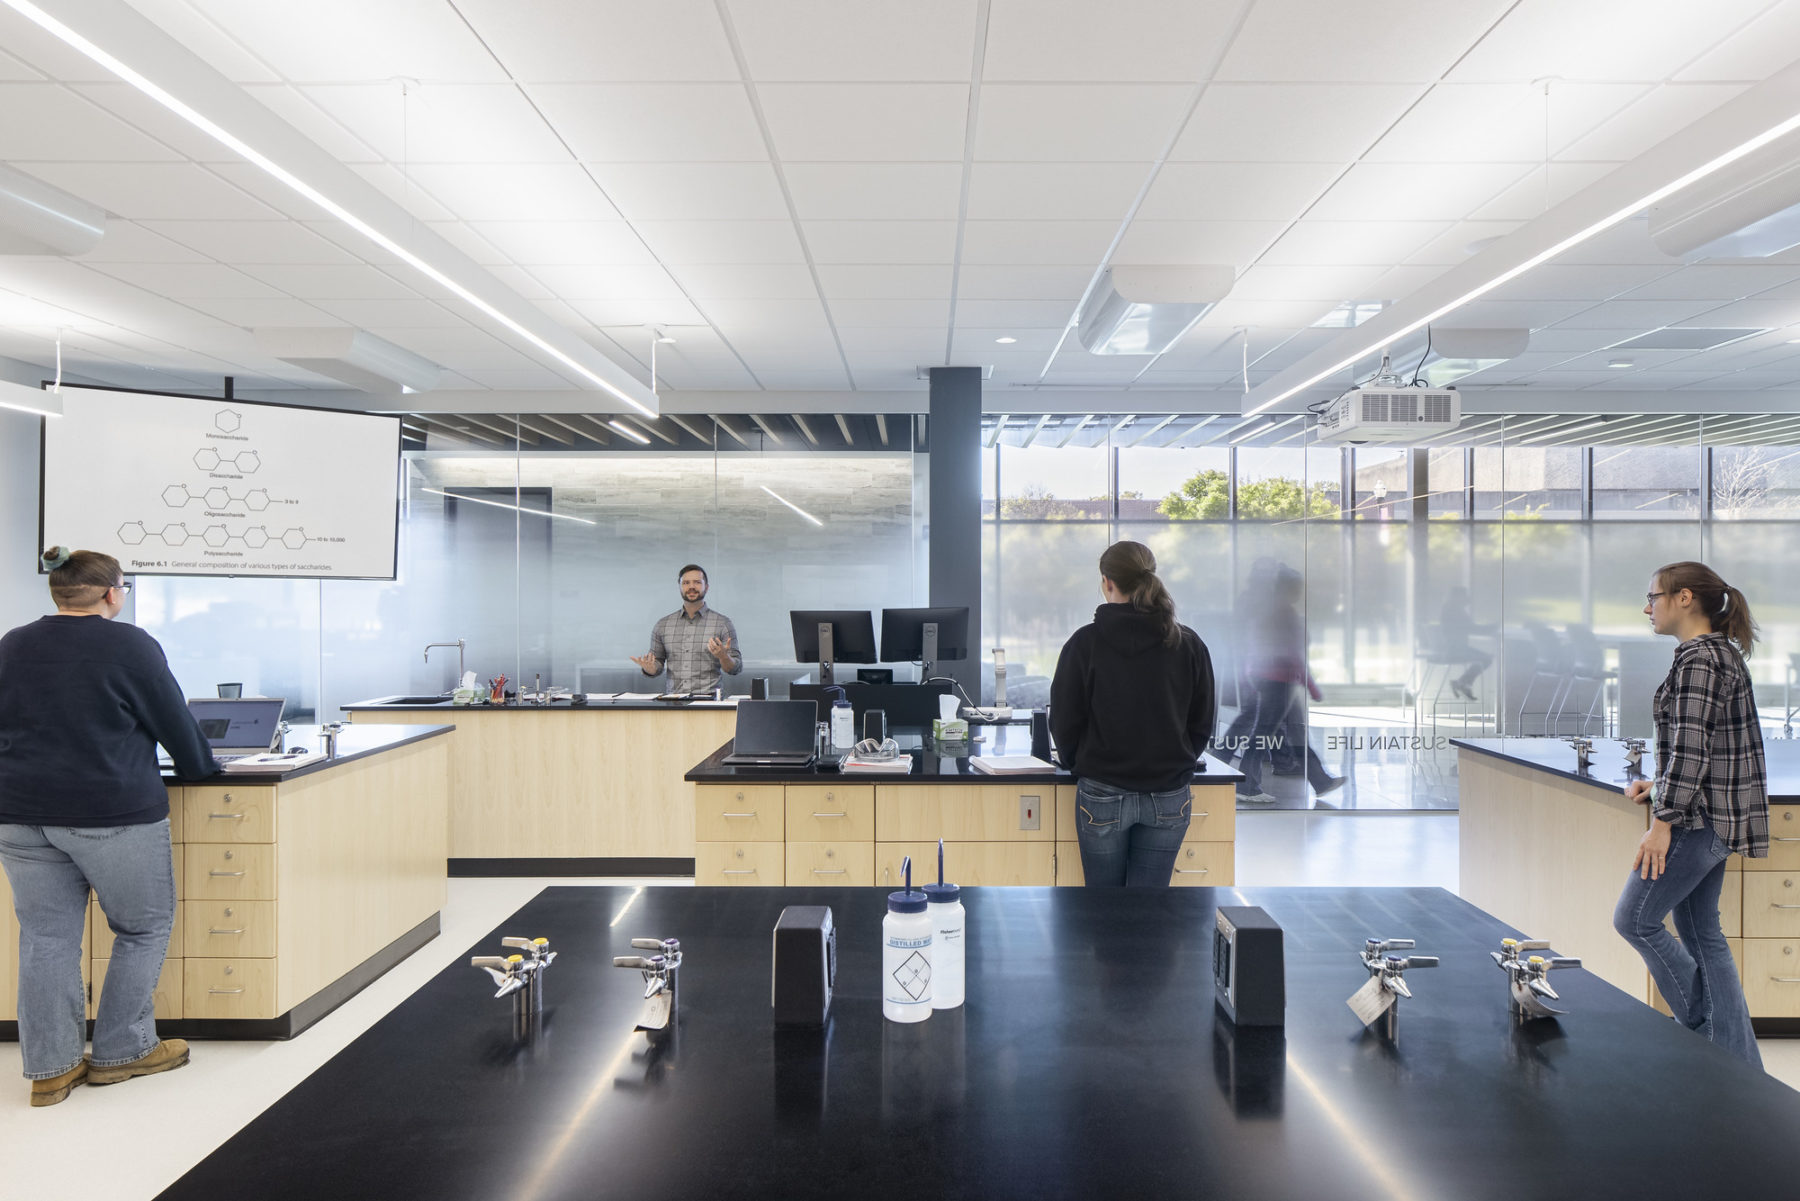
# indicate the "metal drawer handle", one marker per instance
pixel 1773 905
pixel 829 871
pixel 1779 838
pixel 1191 871
pixel 216 930
pixel 1786 979
pixel 1203 814
pixel 238 817
pixel 740 871
pixel 847 815
pixel 752 813
pixel 225 991
pixel 217 873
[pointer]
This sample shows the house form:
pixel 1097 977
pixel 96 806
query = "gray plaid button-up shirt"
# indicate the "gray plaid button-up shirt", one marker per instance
pixel 1709 749
pixel 679 644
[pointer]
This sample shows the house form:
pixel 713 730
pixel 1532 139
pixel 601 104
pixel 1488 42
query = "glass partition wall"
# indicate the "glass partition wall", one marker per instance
pixel 553 556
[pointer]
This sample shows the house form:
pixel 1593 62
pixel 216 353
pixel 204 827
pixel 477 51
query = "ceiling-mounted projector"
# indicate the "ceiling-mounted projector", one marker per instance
pixel 1145 310
pixel 1390 414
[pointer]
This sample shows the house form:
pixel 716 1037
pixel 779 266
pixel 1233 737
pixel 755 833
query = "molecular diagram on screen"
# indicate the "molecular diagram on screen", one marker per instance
pixel 133 533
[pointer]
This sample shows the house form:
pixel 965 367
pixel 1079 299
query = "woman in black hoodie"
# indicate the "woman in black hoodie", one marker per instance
pixel 1132 706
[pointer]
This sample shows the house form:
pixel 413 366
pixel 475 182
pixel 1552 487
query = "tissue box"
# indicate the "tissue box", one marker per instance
pixel 954 729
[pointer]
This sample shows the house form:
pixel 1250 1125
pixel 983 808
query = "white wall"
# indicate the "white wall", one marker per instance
pixel 23 595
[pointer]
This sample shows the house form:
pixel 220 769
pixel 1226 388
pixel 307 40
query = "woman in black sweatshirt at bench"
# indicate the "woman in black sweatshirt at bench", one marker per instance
pixel 1132 707
pixel 84 700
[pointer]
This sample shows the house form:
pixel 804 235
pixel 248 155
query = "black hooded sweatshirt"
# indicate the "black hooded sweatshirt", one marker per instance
pixel 1127 710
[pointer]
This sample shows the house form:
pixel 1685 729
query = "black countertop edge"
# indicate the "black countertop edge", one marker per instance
pixel 1607 769
pixel 448 709
pixel 926 769
pixel 354 742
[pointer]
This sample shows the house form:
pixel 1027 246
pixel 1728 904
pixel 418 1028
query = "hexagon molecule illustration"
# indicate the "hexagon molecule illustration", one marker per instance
pixel 206 459
pixel 248 462
pixel 256 500
pixel 215 535
pixel 228 420
pixel 294 539
pixel 131 533
pixel 217 498
pixel 256 537
pixel 175 495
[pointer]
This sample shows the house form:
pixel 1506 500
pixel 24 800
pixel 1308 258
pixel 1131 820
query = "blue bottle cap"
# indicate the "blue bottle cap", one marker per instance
pixel 906 902
pixel 942 894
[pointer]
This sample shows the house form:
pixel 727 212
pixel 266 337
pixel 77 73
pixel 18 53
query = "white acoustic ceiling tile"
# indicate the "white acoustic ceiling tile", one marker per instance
pixel 1711 281
pixel 458 348
pixel 1131 39
pixel 1177 242
pixel 13 70
pixel 875 191
pixel 1752 53
pixel 1288 281
pixel 1054 191
pixel 24 40
pixel 522 192
pixel 1563 340
pixel 392 314
pixel 662 311
pixel 349 282
pixel 142 191
pixel 653 123
pixel 592 243
pixel 520 280
pixel 677 242
pixel 349 40
pixel 1062 123
pixel 1601 39
pixel 721 377
pixel 769 318
pixel 691 191
pixel 250 313
pixel 1323 243
pixel 1237 191
pixel 298 109
pixel 576 282
pixel 780 379
pixel 830 40
pixel 1028 345
pixel 48 122
pixel 441 122
pixel 1266 314
pixel 578 41
pixel 873 122
pixel 1291 122
pixel 914 282
pixel 1556 281
pixel 1650 119
pixel 186 25
pixel 1632 316
pixel 1014 314
pixel 252 241
pixel 1511 314
pixel 880 241
pixel 1527 199
pixel 1460 241
pixel 464 238
pixel 891 312
pixel 1301 40
pixel 282 200
pixel 184 281
pixel 978 282
pixel 409 191
pixel 738 281
pixel 129 242
pixel 798 350
pixel 1408 192
pixel 1772 313
pixel 1026 242
pixel 1642 381
pixel 1493 122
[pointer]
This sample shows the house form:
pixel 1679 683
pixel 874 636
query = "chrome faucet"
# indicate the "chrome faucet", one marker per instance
pixel 661 982
pixel 1634 754
pixel 521 976
pixel 459 644
pixel 1584 752
pixel 1379 998
pixel 1525 977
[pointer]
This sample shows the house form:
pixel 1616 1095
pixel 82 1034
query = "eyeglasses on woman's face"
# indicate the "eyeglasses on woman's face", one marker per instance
pixel 1650 597
pixel 123 586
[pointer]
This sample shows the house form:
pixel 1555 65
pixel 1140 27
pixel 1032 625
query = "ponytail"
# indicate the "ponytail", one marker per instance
pixel 1722 604
pixel 1132 568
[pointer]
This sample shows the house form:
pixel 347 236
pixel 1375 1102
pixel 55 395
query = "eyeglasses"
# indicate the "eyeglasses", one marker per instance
pixel 1650 597
pixel 123 585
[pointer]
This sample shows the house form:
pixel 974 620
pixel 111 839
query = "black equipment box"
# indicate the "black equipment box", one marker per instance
pixel 1248 970
pixel 805 965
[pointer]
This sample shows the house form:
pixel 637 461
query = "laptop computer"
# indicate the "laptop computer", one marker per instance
pixel 236 726
pixel 773 734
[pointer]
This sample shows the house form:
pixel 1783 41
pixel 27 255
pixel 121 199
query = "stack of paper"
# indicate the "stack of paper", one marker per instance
pixel 1010 765
pixel 899 765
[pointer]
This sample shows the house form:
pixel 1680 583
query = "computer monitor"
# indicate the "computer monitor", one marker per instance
pixel 925 636
pixel 830 636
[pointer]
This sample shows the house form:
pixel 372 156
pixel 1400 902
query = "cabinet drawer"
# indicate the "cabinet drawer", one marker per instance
pixel 167 995
pixel 836 813
pixel 229 929
pixel 1784 841
pixel 740 863
pixel 100 944
pixel 965 812
pixel 1196 864
pixel 738 812
pixel 831 863
pixel 968 863
pixel 225 872
pixel 1771 904
pixel 1771 968
pixel 228 814
pixel 228 988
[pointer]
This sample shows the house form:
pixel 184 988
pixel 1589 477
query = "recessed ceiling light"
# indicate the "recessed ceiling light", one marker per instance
pixel 1620 363
pixel 1006 341
pixel 1793 341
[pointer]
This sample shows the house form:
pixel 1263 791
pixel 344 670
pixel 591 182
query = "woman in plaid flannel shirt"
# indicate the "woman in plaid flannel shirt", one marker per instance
pixel 1709 799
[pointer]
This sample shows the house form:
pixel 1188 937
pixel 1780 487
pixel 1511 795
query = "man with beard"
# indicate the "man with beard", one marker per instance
pixel 695 643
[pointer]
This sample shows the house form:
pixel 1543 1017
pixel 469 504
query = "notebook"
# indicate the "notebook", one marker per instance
pixel 236 726
pixel 773 734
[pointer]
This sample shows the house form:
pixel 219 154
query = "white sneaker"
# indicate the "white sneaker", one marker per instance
pixel 1255 798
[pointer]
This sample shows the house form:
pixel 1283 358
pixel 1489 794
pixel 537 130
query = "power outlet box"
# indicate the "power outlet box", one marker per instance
pixel 1031 813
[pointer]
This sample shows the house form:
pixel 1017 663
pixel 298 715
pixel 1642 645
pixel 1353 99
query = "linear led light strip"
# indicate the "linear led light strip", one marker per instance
pixel 476 500
pixel 790 504
pixel 1573 240
pixel 200 121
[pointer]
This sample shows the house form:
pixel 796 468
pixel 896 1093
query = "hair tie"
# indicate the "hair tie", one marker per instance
pixel 55 557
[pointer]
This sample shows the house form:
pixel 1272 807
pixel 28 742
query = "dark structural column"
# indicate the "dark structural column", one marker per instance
pixel 953 535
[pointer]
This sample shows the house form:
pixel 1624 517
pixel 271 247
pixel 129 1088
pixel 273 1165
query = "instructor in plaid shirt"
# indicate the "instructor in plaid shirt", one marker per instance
pixel 695 643
pixel 1710 798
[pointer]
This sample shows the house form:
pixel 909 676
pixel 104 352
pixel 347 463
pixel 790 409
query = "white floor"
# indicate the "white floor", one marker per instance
pixel 155 1128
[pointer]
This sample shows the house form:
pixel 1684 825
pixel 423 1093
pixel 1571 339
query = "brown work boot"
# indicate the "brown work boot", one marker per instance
pixel 56 1088
pixel 165 1056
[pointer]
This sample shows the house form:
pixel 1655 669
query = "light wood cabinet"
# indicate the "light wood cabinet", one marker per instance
pixel 215 989
pixel 966 812
pixel 1771 904
pixel 970 864
pixel 1784 840
pixel 739 812
pixel 831 864
pixel 741 864
pixel 1771 968
pixel 229 814
pixel 831 813
pixel 228 929
pixel 230 871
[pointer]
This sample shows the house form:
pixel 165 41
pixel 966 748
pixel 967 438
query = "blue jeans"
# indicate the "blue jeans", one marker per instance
pixel 1129 838
pixel 51 869
pixel 1696 975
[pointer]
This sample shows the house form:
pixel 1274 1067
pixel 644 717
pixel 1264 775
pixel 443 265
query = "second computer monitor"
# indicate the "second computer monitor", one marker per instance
pixel 903 636
pixel 852 638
